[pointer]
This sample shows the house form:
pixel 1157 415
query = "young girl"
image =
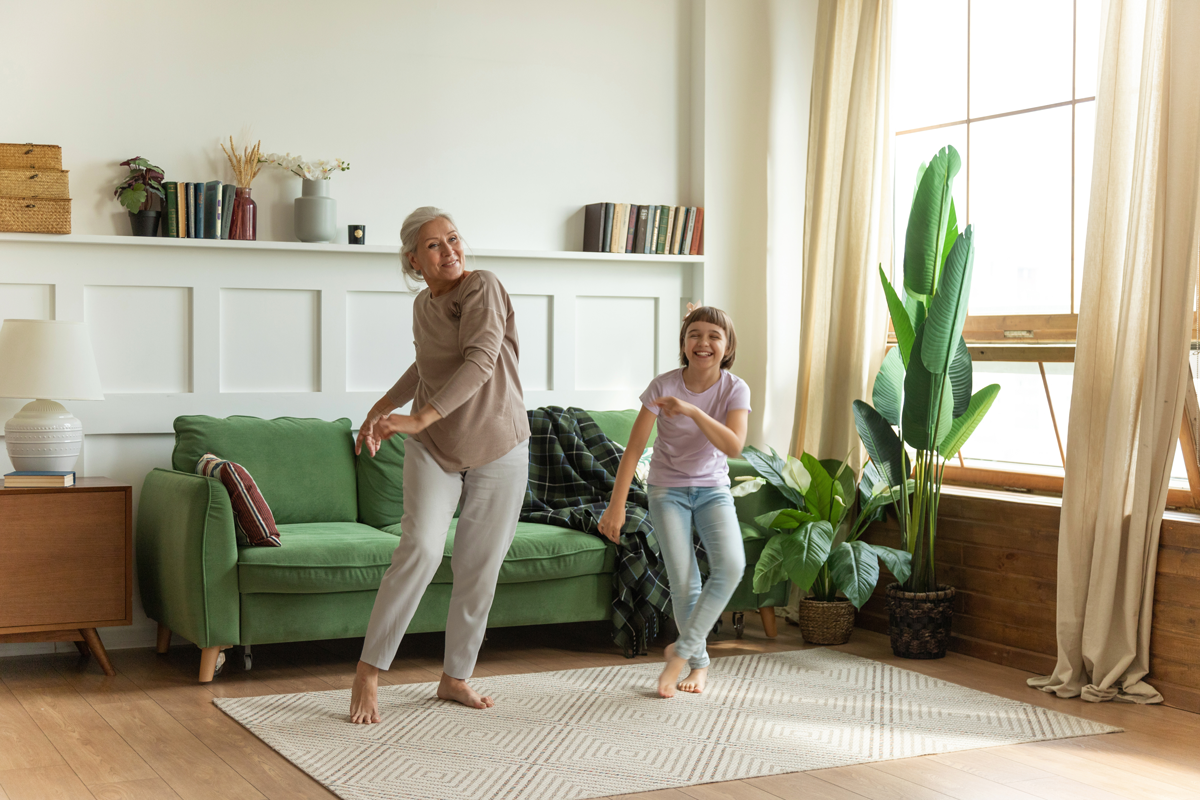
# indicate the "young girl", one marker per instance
pixel 701 411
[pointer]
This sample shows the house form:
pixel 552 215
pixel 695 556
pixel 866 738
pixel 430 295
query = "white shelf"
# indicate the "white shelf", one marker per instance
pixel 374 249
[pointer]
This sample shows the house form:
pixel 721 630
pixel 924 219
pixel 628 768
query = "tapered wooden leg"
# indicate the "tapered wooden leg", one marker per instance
pixel 208 661
pixel 82 647
pixel 164 638
pixel 97 647
pixel 768 618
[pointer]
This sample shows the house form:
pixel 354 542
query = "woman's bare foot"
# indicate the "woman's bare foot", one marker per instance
pixel 457 690
pixel 670 673
pixel 695 681
pixel 364 697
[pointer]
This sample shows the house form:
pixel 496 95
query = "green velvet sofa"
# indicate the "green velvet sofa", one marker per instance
pixel 339 521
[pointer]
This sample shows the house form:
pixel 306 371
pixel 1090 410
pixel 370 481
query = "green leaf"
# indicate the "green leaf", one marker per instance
pixel 966 424
pixel 769 569
pixel 888 393
pixel 926 234
pixel 806 551
pixel 841 473
pixel 924 390
pixel 785 518
pixel 902 318
pixel 771 468
pixel 898 562
pixel 133 197
pixel 951 232
pixel 881 441
pixel 819 497
pixel 854 567
pixel 961 377
pixel 948 310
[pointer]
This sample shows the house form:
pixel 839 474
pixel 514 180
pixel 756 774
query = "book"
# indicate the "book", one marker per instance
pixel 639 236
pixel 670 230
pixel 593 227
pixel 652 228
pixel 689 229
pixel 171 226
pixel 631 228
pixel 660 237
pixel 189 225
pixel 212 210
pixel 198 193
pixel 228 192
pixel 38 480
pixel 615 233
pixel 606 235
pixel 680 221
pixel 698 236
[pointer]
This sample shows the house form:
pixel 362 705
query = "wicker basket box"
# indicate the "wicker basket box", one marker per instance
pixel 30 156
pixel 35 215
pixel 34 183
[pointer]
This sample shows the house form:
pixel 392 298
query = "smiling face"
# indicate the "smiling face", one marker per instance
pixel 439 255
pixel 704 346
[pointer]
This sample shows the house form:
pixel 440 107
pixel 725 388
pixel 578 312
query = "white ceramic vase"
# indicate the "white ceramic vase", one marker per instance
pixel 316 213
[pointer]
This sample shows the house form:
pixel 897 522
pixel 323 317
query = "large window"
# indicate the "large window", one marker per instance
pixel 1011 84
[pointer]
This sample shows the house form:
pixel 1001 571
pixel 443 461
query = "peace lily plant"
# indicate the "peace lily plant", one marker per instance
pixel 922 395
pixel 812 547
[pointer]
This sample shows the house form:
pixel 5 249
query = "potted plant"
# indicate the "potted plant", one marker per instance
pixel 923 400
pixel 144 179
pixel 817 546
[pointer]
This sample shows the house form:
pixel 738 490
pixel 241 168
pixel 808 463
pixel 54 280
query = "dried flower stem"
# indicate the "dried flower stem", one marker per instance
pixel 245 166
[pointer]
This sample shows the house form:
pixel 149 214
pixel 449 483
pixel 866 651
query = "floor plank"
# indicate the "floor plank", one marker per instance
pixel 44 783
pixel 153 789
pixel 90 746
pixel 1140 786
pixel 991 766
pixel 872 783
pixel 22 743
pixel 729 790
pixel 802 786
pixel 1066 789
pixel 949 781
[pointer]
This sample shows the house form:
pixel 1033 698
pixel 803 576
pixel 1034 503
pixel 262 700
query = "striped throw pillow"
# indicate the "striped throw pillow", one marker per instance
pixel 252 517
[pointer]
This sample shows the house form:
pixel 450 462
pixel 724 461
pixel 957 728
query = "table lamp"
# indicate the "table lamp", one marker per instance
pixel 46 361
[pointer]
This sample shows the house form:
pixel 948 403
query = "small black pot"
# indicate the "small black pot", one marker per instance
pixel 919 622
pixel 144 223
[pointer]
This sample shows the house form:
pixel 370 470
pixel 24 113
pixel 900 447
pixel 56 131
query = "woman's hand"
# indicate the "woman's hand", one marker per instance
pixel 673 407
pixel 387 426
pixel 366 435
pixel 612 522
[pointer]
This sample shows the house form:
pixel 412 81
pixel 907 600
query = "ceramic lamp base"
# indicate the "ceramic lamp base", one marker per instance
pixel 43 437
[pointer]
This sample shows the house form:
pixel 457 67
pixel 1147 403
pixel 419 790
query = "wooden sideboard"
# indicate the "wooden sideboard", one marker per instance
pixel 66 564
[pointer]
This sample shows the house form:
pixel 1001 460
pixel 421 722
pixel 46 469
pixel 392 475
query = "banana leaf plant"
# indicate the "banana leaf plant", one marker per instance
pixel 812 546
pixel 923 391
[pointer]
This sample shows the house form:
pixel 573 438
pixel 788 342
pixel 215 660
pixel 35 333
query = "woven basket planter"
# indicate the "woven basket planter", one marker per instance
pixel 826 622
pixel 919 622
pixel 30 156
pixel 35 215
pixel 34 183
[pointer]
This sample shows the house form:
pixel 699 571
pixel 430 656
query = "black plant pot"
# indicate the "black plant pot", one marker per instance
pixel 144 223
pixel 919 622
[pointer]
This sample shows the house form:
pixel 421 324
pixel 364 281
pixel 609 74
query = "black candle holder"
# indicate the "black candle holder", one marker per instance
pixel 357 234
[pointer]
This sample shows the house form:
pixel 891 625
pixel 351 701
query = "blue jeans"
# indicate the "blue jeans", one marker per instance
pixel 674 510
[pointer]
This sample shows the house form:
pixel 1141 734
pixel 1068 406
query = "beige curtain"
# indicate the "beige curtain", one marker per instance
pixel 847 224
pixel 1131 356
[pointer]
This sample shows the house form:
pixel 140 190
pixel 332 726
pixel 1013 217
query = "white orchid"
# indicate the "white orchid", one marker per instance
pixel 321 170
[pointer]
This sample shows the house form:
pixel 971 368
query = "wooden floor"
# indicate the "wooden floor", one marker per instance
pixel 67 731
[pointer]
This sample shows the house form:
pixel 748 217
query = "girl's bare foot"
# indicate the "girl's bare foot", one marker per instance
pixel 457 690
pixel 695 681
pixel 364 697
pixel 670 673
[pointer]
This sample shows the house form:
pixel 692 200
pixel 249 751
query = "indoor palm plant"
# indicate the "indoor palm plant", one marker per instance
pixel 923 399
pixel 817 546
pixel 135 193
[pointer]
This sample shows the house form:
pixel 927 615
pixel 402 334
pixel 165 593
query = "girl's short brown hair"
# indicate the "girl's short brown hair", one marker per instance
pixel 713 316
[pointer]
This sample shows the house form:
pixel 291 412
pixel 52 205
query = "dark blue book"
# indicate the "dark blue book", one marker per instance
pixel 606 239
pixel 212 210
pixel 198 191
pixel 190 194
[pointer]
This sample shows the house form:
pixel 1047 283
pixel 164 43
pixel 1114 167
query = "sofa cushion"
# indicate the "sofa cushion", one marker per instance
pixel 303 467
pixel 381 483
pixel 319 557
pixel 617 425
pixel 252 517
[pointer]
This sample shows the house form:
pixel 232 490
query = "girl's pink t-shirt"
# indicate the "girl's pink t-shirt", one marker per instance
pixel 683 455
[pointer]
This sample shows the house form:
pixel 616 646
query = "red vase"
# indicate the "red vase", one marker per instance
pixel 245 216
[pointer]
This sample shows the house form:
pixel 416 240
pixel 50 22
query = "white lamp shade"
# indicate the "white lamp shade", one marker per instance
pixel 46 359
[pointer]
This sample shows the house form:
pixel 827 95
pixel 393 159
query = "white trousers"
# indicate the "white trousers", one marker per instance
pixel 491 495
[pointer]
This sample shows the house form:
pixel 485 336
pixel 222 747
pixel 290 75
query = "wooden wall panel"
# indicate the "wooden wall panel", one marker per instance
pixel 999 550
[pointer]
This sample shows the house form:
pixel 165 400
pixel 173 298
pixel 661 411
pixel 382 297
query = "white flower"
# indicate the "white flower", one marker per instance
pixel 796 476
pixel 747 484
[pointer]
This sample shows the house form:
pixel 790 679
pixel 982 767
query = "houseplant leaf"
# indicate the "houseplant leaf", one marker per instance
pixel 771 467
pixel 928 402
pixel 820 495
pixel 888 392
pixel 961 376
pixel 785 519
pixel 948 309
pixel 951 232
pixel 854 567
pixel 133 197
pixel 769 569
pixel 898 562
pixel 797 554
pixel 926 234
pixel 881 441
pixel 902 318
pixel 965 425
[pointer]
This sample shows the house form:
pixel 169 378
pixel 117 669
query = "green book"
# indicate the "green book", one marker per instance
pixel 660 237
pixel 171 188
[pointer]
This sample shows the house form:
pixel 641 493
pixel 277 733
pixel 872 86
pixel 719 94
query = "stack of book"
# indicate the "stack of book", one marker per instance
pixel 38 480
pixel 198 210
pixel 630 228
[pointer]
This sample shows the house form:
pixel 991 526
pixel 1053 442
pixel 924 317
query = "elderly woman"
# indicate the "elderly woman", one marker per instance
pixel 468 438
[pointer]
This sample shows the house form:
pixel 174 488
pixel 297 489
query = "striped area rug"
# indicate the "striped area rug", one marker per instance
pixel 604 731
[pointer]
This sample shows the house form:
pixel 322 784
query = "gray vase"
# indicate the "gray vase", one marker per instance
pixel 316 213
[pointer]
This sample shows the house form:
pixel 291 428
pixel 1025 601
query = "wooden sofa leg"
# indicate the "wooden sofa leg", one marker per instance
pixel 768 620
pixel 208 661
pixel 164 638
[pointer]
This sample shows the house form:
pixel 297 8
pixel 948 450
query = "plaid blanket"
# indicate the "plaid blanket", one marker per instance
pixel 572 469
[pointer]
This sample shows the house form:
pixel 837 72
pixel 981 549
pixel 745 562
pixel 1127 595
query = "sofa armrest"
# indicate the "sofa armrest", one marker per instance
pixel 755 504
pixel 187 557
